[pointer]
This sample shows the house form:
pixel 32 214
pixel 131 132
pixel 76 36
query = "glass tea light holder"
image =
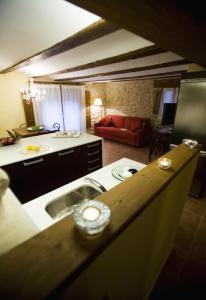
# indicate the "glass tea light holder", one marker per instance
pixel 190 143
pixel 92 216
pixel 164 163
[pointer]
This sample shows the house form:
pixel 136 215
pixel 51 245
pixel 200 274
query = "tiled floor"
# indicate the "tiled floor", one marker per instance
pixel 113 151
pixel 184 274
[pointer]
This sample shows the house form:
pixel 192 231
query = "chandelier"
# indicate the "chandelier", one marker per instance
pixel 31 94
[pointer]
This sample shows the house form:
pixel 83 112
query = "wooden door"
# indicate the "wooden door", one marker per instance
pixel 29 113
pixel 88 108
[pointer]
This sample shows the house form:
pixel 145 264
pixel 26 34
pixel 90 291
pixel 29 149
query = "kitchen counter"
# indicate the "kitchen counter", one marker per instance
pixel 36 208
pixel 13 153
pixel 15 224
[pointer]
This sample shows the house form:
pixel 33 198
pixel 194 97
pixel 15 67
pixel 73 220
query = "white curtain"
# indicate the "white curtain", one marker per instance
pixel 49 110
pixel 169 95
pixel 73 102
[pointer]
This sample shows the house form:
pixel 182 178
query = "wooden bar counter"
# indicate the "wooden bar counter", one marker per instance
pixel 122 263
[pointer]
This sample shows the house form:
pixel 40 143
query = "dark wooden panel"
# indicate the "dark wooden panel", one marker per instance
pixel 175 25
pixel 88 108
pixel 167 83
pixel 29 113
pixel 88 34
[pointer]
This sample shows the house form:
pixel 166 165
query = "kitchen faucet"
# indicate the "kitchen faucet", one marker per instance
pixel 95 183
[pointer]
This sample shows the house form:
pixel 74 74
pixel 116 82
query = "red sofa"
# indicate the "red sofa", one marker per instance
pixel 133 131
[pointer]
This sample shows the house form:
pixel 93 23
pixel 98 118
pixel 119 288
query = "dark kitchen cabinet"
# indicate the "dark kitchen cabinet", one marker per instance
pixel 93 157
pixel 37 176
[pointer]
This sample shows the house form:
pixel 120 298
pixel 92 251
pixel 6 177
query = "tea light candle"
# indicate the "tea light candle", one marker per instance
pixel 190 143
pixel 91 216
pixel 165 163
pixel 91 213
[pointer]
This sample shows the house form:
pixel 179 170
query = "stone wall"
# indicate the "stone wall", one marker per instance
pixel 132 98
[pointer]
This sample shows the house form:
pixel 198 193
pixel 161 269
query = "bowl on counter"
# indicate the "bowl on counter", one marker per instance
pixel 9 140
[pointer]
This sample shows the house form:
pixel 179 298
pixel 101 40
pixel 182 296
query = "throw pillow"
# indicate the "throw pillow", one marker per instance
pixel 106 121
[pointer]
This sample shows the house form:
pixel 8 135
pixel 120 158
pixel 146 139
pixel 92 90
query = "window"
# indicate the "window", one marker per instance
pixel 169 95
pixel 62 104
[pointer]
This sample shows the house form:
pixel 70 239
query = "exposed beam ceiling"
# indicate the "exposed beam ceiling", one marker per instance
pixel 131 70
pixel 143 52
pixel 178 26
pixel 140 39
pixel 88 34
pixel 29 27
pixel 110 45
pixel 139 74
pixel 170 75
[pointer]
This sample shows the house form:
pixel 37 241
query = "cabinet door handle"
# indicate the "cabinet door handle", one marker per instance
pixel 93 153
pixel 66 152
pixel 202 153
pixel 91 169
pixel 26 164
pixel 93 160
pixel 93 145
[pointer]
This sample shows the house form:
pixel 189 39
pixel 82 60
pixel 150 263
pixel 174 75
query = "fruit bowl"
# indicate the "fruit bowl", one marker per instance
pixel 8 140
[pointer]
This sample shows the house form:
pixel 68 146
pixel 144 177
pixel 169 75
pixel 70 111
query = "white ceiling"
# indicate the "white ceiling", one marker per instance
pixel 131 63
pixel 115 43
pixel 136 74
pixel 29 27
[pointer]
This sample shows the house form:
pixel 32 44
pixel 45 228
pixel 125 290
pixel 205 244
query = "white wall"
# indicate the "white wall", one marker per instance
pixel 11 106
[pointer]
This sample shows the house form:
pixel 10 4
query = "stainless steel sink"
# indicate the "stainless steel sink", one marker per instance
pixel 65 205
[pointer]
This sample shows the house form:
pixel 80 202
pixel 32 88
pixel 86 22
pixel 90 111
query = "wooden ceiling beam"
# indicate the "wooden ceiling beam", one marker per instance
pixel 161 75
pixel 143 52
pixel 167 77
pixel 131 70
pixel 88 34
pixel 178 26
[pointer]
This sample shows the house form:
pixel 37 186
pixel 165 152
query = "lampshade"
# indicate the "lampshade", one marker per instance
pixel 98 101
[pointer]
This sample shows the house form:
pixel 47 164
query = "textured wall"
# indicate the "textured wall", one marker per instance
pixel 132 98
pixel 11 106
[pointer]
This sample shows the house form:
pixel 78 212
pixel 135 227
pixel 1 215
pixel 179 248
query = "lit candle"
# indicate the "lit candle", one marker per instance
pixel 91 213
pixel 164 163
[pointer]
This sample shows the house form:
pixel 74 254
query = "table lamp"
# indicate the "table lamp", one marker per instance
pixel 98 102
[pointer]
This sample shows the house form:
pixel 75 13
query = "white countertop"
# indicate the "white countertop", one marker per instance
pixel 13 153
pixel 15 224
pixel 36 208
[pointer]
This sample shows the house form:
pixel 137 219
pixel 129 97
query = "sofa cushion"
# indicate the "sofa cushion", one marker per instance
pixel 112 131
pixel 106 121
pixel 132 123
pixel 118 121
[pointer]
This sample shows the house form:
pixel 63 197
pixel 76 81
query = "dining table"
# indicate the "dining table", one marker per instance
pixel 28 132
